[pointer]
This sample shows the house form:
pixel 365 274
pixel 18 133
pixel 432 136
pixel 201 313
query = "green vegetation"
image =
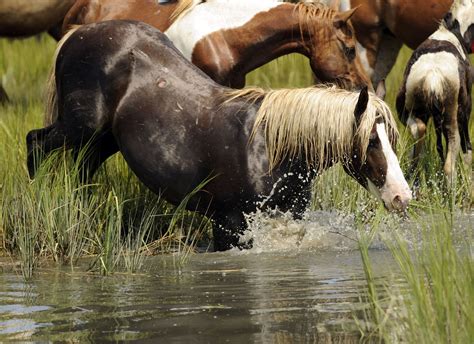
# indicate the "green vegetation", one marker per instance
pixel 117 221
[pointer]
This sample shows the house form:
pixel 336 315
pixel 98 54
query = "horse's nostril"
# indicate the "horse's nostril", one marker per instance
pixel 398 203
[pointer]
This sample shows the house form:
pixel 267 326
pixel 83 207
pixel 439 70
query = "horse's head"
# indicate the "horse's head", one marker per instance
pixel 460 19
pixel 335 58
pixel 377 169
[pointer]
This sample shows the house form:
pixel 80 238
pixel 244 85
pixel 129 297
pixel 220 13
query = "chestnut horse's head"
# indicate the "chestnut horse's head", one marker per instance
pixel 374 163
pixel 335 57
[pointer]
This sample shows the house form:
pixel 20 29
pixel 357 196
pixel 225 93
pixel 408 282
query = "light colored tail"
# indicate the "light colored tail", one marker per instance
pixel 435 89
pixel 51 110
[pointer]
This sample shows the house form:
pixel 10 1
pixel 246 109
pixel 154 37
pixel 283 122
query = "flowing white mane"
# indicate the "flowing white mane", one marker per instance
pixel 316 123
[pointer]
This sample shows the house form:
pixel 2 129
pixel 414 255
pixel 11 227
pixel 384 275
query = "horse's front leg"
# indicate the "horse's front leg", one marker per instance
pixel 228 227
pixel 387 54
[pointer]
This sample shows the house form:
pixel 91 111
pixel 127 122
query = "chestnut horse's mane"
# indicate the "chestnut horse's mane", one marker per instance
pixel 316 123
pixel 183 7
pixel 311 8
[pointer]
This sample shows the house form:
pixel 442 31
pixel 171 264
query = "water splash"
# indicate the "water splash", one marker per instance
pixel 276 231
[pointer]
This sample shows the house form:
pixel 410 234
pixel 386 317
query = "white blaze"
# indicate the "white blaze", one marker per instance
pixel 395 183
pixel 212 16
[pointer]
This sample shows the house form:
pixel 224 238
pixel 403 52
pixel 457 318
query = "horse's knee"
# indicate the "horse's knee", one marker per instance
pixel 227 231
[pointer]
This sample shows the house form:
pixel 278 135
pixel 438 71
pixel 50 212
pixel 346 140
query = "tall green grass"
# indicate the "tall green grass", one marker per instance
pixel 116 219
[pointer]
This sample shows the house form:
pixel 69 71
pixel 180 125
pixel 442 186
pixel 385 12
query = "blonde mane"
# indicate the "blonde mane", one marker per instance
pixel 51 109
pixel 316 123
pixel 183 7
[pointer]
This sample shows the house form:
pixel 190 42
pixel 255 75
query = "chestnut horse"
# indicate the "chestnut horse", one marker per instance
pixel 134 92
pixel 382 26
pixel 19 18
pixel 228 39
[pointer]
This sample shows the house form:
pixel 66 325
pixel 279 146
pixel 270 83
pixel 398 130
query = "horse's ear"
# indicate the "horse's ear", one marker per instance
pixel 342 18
pixel 381 90
pixel 448 19
pixel 361 105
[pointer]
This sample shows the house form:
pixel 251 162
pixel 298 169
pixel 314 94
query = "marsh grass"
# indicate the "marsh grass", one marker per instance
pixel 118 222
pixel 434 297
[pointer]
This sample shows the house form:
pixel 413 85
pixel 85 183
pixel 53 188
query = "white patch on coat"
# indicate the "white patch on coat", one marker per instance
pixel 362 52
pixel 411 123
pixel 212 16
pixel 345 5
pixel 465 15
pixel 443 34
pixel 395 182
pixel 431 73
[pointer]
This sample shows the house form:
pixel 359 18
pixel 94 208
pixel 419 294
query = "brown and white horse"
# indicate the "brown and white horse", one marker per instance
pixel 134 92
pixel 228 39
pixel 437 83
pixel 382 26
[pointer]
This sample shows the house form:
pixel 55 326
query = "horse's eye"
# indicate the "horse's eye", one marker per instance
pixel 372 143
pixel 350 52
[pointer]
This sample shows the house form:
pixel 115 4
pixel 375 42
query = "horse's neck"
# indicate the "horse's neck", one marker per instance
pixel 268 36
pixel 211 17
pixel 273 34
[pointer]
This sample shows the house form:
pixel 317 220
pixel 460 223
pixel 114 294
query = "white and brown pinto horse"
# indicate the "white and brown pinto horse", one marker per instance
pixel 228 39
pixel 134 92
pixel 437 83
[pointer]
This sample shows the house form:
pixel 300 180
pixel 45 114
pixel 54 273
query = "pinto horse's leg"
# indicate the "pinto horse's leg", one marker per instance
pixel 40 143
pixel 452 137
pixel 466 145
pixel 93 153
pixel 227 229
pixel 418 130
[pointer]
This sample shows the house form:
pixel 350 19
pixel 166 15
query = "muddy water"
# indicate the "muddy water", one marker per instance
pixel 302 282
pixel 215 297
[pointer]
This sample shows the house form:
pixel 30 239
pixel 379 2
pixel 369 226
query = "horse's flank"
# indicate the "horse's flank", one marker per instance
pixel 296 123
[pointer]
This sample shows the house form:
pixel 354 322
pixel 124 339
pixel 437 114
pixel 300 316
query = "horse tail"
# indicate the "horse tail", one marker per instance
pixel 51 110
pixel 436 90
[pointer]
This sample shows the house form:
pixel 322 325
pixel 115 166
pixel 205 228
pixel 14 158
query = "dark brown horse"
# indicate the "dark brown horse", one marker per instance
pixel 228 39
pixel 123 86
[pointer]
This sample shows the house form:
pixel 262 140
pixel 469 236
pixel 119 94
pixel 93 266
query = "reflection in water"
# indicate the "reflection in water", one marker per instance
pixel 217 297
pixel 301 282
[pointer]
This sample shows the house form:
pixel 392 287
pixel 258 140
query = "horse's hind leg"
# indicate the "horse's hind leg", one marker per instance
pixel 418 130
pixel 452 136
pixel 466 145
pixel 93 153
pixel 40 143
